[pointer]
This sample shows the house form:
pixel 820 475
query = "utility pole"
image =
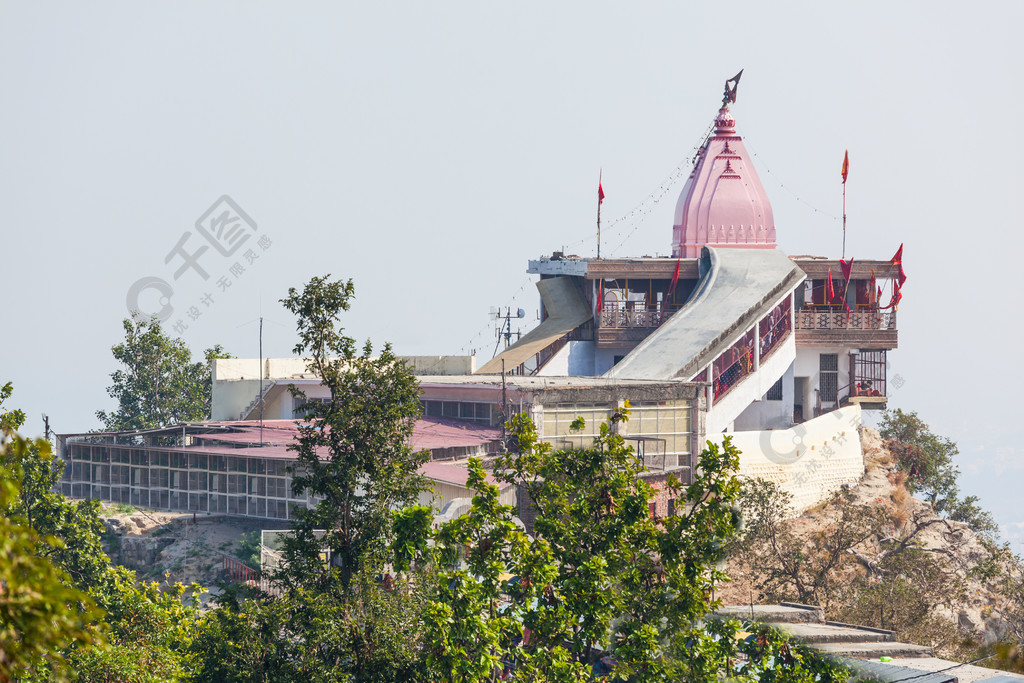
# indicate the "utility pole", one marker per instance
pixel 261 380
pixel 504 408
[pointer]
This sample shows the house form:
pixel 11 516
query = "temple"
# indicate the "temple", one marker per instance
pixel 776 340
pixel 729 336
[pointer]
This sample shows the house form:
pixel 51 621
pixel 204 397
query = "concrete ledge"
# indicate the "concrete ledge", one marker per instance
pixel 875 650
pixel 786 613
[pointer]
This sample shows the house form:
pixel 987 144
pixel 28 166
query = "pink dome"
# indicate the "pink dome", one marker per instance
pixel 723 203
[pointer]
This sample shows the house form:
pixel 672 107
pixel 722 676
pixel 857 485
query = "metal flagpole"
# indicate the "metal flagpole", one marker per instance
pixel 844 219
pixel 600 197
pixel 845 172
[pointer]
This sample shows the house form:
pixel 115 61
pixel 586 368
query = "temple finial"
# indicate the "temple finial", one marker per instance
pixel 730 92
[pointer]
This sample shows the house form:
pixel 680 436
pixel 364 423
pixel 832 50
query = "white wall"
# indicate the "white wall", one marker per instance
pixel 808 365
pixel 604 358
pixel 558 364
pixel 810 461
pixel 226 369
pixel 231 397
pixel 766 414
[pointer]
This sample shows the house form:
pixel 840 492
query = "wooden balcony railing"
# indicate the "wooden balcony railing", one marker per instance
pixel 624 317
pixel 836 318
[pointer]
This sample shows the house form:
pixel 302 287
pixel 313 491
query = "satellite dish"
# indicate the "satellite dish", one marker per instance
pixel 520 313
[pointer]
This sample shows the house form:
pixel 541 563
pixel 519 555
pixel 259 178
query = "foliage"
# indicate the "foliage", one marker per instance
pixel 307 636
pixel 902 593
pixel 159 384
pixel 248 549
pixel 135 632
pixel 927 459
pixel 805 568
pixel 602 577
pixel 41 614
pixel 354 450
pixel 338 618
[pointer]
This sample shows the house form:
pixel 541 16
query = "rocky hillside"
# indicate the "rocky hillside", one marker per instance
pixel 873 555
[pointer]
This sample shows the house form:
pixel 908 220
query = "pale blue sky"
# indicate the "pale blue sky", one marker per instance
pixel 428 150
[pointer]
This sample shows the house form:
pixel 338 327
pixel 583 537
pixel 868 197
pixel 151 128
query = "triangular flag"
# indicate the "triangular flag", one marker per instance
pixel 846 165
pixel 897 260
pixel 847 268
pixel 830 291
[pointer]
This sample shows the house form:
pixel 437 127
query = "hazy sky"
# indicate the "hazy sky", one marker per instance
pixel 428 150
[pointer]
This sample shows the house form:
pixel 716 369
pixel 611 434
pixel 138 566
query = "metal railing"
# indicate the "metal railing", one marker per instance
pixel 773 332
pixel 730 376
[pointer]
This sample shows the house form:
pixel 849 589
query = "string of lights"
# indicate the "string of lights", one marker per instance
pixel 778 182
pixel 632 221
pixel 636 218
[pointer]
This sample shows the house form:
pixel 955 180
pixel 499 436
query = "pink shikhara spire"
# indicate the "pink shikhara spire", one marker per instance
pixel 723 203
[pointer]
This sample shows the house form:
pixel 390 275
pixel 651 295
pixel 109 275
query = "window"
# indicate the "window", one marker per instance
pixel 775 393
pixel 671 507
pixel 458 410
pixel 828 382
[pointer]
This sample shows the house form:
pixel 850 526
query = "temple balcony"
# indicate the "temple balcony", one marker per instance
pixel 833 325
pixel 868 380
pixel 629 323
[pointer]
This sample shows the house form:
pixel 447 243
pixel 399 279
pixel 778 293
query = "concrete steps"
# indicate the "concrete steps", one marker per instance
pixel 808 625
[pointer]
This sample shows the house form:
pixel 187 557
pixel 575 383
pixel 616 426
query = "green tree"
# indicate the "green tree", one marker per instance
pixel 158 384
pixel 600 576
pixel 353 451
pixel 927 460
pixel 337 619
pixel 808 568
pixel 142 631
pixel 41 615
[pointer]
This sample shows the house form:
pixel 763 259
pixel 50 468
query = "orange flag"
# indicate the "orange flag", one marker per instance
pixel 846 165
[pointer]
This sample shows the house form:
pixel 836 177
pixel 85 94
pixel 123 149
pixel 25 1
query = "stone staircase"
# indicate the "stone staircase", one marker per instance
pixel 872 654
pixel 808 625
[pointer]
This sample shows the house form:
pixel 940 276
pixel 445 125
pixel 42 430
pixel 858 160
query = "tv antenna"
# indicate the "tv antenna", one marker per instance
pixel 503 328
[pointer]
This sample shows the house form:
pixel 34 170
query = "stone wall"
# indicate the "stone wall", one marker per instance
pixel 811 460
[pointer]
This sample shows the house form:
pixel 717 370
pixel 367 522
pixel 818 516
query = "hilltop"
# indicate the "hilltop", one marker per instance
pixel 876 555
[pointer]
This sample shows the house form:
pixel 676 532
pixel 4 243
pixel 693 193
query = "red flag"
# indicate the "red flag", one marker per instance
pixel 873 301
pixel 897 260
pixel 847 268
pixel 846 165
pixel 830 291
pixel 600 295
pixel 600 192
pixel 675 277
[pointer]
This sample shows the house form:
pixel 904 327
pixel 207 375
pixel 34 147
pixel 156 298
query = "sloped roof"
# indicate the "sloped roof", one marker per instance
pixel 737 287
pixel 566 311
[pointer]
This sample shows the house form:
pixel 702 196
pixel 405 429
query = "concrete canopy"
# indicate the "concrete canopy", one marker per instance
pixel 737 287
pixel 566 311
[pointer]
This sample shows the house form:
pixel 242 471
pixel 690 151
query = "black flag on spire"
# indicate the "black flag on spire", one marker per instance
pixel 730 92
